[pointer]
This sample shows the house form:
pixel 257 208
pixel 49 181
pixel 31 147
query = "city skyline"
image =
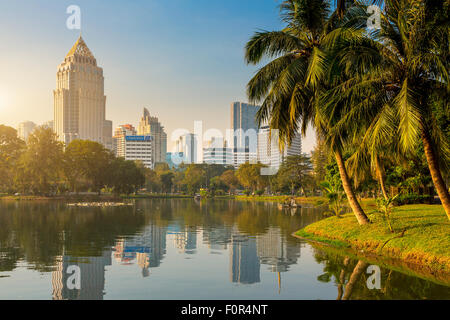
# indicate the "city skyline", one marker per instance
pixel 143 72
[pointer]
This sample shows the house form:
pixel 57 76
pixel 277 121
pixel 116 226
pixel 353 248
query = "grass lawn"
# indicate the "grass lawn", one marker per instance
pixel 425 240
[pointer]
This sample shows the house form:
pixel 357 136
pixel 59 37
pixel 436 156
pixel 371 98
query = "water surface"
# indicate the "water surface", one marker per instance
pixel 181 249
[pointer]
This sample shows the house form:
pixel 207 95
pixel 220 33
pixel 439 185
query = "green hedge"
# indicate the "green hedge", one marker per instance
pixel 413 198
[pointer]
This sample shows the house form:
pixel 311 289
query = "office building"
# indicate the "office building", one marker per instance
pixel 140 148
pixel 269 152
pixel 150 126
pixel 79 99
pixel 187 144
pixel 217 152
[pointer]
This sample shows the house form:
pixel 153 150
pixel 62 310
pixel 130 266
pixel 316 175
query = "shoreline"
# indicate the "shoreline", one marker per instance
pixel 423 249
pixel 418 270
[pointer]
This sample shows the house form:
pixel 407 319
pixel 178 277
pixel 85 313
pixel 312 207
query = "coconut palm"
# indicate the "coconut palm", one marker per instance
pixel 396 71
pixel 290 83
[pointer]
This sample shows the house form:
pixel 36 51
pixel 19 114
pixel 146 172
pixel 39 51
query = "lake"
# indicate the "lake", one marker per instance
pixel 182 249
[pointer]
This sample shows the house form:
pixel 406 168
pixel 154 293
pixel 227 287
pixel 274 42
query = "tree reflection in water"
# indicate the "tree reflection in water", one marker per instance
pixel 49 237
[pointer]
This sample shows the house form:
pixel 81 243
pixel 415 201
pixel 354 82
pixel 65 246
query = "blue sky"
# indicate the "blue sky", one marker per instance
pixel 182 59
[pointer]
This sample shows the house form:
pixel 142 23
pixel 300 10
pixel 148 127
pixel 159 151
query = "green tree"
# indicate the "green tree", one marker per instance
pixel 127 177
pixel 230 180
pixel 295 171
pixel 289 85
pixel 11 148
pixel 91 160
pixel 395 72
pixel 194 178
pixel 249 176
pixel 40 166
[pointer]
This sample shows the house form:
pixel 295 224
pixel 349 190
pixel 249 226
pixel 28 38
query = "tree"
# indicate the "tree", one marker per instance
pixel 11 148
pixel 194 178
pixel 296 171
pixel 319 157
pixel 290 83
pixel 405 65
pixel 230 180
pixel 249 176
pixel 216 184
pixel 40 166
pixel 166 181
pixel 91 160
pixel 127 176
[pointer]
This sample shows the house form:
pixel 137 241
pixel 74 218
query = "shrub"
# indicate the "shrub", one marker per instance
pixel 259 192
pixel 412 198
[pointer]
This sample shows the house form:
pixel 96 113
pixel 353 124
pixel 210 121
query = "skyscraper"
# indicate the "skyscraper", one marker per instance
pixel 79 99
pixel 187 145
pixel 150 126
pixel 269 152
pixel 245 131
pixel 244 262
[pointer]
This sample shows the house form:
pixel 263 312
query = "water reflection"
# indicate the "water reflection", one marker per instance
pixel 255 238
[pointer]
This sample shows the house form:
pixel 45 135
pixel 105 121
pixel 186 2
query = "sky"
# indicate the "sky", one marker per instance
pixel 182 59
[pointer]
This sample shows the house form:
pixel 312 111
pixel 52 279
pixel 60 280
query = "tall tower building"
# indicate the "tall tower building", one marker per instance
pixel 269 152
pixel 187 145
pixel 79 99
pixel 245 132
pixel 150 126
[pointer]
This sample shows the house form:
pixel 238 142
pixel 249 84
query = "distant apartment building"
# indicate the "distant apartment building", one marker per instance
pixel 187 145
pixel 245 132
pixel 269 152
pixel 118 140
pixel 150 126
pixel 218 152
pixel 140 148
pixel 25 129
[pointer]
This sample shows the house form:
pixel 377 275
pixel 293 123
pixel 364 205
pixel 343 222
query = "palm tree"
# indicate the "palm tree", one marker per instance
pixel 290 83
pixel 396 71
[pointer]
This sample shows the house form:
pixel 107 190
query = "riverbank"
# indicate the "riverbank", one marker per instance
pixel 422 236
pixel 310 200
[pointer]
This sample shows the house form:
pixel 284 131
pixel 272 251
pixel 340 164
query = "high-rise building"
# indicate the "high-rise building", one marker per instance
pixel 245 132
pixel 273 250
pixel 269 151
pixel 25 129
pixel 217 152
pixel 118 140
pixel 187 144
pixel 79 99
pixel 150 126
pixel 140 148
pixel 244 261
pixel 92 277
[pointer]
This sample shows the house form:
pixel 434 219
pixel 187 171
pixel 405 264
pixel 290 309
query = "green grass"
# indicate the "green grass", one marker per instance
pixel 426 238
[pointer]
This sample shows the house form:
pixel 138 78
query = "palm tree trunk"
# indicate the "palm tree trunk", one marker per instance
pixel 356 274
pixel 354 204
pixel 380 174
pixel 433 165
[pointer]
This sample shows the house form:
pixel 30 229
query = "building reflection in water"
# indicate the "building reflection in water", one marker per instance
pixel 244 262
pixel 147 249
pixel 92 277
pixel 185 240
